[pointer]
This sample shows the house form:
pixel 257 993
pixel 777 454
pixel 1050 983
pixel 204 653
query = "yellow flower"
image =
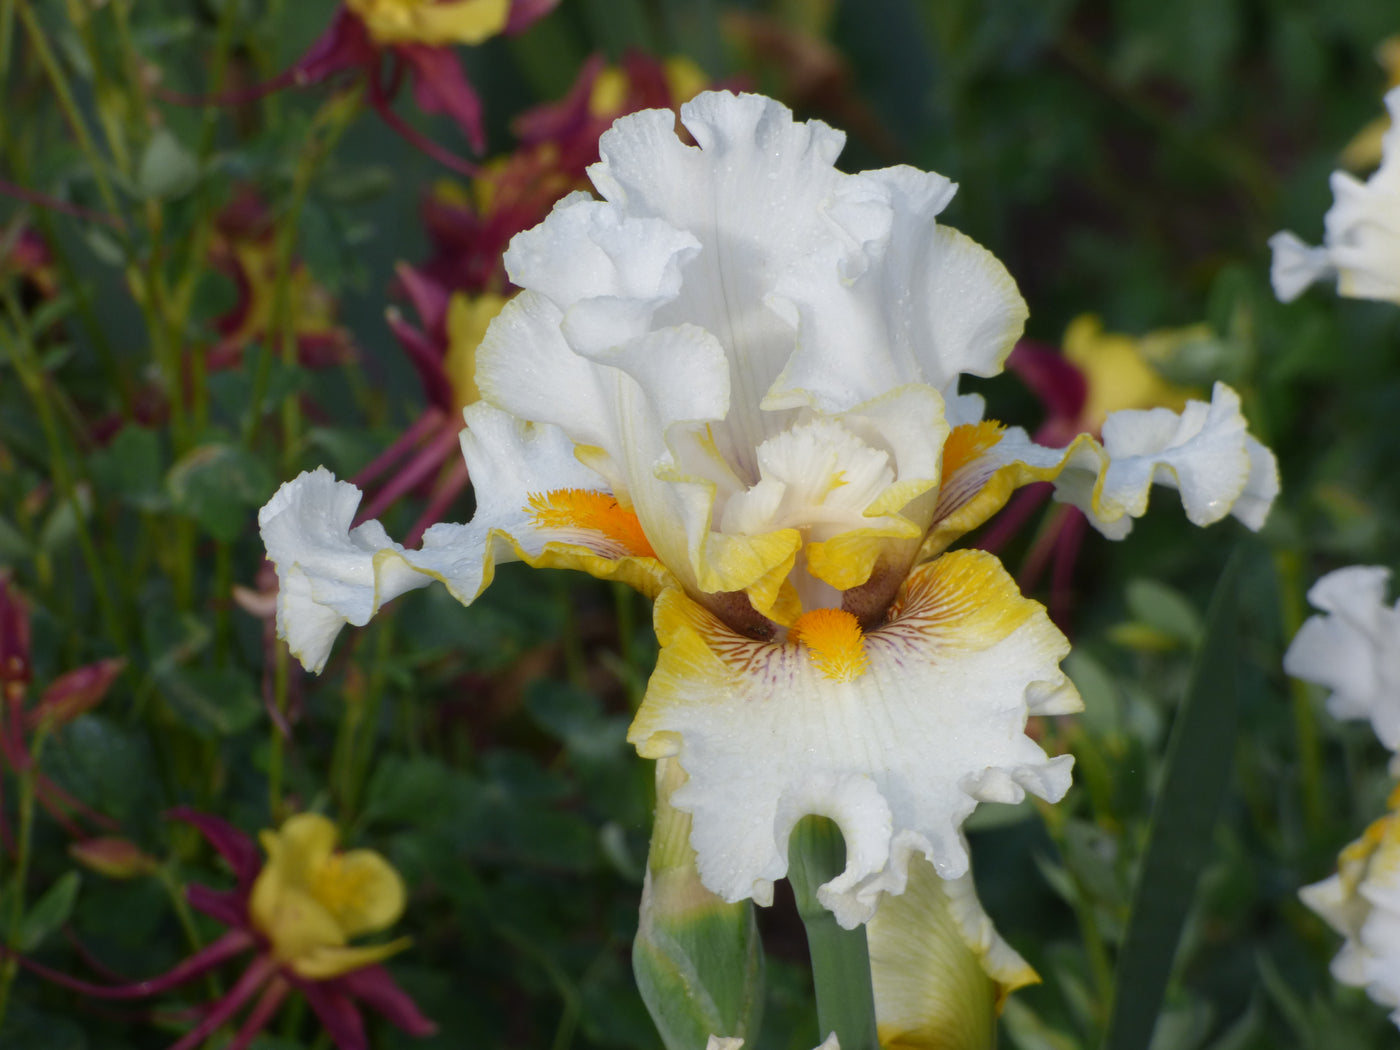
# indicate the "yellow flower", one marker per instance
pixel 431 22
pixel 1118 370
pixel 309 900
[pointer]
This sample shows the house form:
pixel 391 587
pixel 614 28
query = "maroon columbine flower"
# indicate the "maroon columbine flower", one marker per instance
pixel 381 41
pixel 296 911
pixel 245 250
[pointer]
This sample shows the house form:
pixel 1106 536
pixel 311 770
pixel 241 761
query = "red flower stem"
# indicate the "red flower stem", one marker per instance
pixel 414 137
pixel 261 1013
pixel 446 492
pixel 424 463
pixel 44 200
pixel 263 967
pixel 227 946
pixel 1012 517
pixel 428 422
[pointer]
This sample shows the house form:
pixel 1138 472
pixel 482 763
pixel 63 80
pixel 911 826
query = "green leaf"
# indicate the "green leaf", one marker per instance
pixel 49 912
pixel 1163 608
pixel 217 485
pixel 167 170
pixel 131 468
pixel 213 702
pixel 1198 763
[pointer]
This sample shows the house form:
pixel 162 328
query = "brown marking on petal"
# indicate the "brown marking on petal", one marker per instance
pixel 736 612
pixel 870 602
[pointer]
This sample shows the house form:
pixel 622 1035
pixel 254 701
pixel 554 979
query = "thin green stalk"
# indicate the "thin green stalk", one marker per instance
pixel 36 385
pixel 362 746
pixel 281 672
pixel 111 129
pixel 21 871
pixel 1292 611
pixel 840 958
pixel 330 123
pixel 7 37
pixel 176 892
pixel 69 107
pixel 1092 938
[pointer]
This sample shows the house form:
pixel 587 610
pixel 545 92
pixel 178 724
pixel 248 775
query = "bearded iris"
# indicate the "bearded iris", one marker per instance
pixel 732 382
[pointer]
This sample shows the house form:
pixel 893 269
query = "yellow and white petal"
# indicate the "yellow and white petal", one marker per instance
pixel 939 968
pixel 1362 903
pixel 1205 452
pixel 536 502
pixel 1353 648
pixel 892 298
pixel 896 735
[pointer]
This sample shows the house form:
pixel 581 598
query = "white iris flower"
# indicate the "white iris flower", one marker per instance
pixel 1362 245
pixel 732 383
pixel 1362 903
pixel 1353 649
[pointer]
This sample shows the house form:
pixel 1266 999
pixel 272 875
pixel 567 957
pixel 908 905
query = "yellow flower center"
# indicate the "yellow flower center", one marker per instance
pixel 344 890
pixel 596 511
pixel 836 642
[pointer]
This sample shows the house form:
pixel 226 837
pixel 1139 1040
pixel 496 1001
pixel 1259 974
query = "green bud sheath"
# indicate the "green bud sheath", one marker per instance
pixel 698 960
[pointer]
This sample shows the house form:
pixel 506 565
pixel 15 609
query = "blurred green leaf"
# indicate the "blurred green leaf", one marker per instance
pixel 218 485
pixel 49 912
pixel 1197 769
pixel 167 170
pixel 131 468
pixel 1163 608
pixel 212 702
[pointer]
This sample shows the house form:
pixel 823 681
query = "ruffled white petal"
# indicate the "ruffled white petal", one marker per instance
pixel 327 573
pixel 1297 265
pixel 330 574
pixel 1362 903
pixel 922 302
pixel 897 756
pixel 1353 649
pixel 1205 452
pixel 1362 244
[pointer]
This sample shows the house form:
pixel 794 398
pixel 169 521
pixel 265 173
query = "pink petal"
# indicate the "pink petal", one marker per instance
pixel 376 988
pixel 1060 386
pixel 337 1013
pixel 252 979
pixel 440 86
pixel 525 13
pixel 233 845
pixel 76 692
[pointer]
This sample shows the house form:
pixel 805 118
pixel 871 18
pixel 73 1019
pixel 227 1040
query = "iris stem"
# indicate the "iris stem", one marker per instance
pixel 1292 609
pixel 840 958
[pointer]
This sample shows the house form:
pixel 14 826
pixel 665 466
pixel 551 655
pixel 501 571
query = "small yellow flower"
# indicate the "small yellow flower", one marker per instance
pixel 310 899
pixel 430 22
